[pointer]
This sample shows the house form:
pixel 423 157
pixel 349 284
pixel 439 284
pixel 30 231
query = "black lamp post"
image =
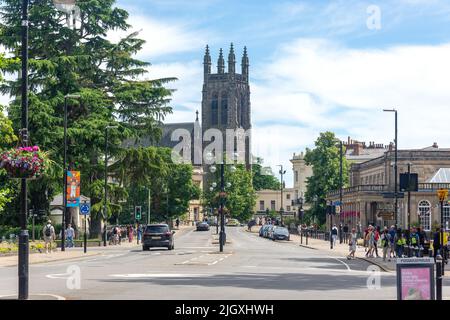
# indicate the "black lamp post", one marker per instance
pixel 64 193
pixel 282 172
pixel 395 165
pixel 105 206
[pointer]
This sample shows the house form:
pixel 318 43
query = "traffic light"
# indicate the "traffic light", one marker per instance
pixel 138 213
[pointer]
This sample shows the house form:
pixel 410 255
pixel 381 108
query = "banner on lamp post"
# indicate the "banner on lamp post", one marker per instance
pixel 73 189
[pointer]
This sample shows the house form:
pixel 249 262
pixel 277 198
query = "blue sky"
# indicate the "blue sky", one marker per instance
pixel 315 66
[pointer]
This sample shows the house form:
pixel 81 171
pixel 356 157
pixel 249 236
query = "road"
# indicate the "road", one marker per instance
pixel 250 268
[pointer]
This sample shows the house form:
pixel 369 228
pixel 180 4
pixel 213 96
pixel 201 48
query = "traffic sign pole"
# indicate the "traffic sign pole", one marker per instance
pixel 85 209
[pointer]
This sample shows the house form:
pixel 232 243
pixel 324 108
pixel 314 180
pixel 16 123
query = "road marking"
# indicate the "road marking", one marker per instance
pixel 348 268
pixel 156 275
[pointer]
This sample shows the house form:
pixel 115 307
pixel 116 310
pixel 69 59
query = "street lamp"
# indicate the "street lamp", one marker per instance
pixel 282 172
pixel 105 207
pixel 64 193
pixel 395 165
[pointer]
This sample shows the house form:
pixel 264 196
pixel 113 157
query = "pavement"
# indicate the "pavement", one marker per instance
pixel 249 268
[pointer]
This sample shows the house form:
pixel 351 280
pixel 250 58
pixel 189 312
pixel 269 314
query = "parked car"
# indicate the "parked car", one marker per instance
pixel 280 233
pixel 233 223
pixel 158 235
pixel 202 226
pixel 267 232
pixel 263 230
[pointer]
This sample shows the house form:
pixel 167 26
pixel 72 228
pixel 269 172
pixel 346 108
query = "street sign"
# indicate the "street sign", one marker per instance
pixel 391 195
pixel 415 279
pixel 442 194
pixel 85 209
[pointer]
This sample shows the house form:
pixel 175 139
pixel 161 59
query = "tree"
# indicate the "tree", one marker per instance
pixel 241 196
pixel 263 178
pixel 81 60
pixel 325 161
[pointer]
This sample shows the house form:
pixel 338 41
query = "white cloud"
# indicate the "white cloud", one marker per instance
pixel 319 85
pixel 162 38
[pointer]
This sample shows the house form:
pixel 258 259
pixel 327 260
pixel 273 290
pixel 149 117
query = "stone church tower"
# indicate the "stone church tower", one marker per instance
pixel 226 98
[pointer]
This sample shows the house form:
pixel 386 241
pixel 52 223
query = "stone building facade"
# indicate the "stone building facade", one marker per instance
pixel 369 199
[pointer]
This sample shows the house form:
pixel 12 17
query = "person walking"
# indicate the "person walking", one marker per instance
pixel 386 244
pixel 352 240
pixel 49 236
pixel 70 233
pixel 414 241
pixel 130 233
pixel 177 222
pixel 399 243
pixel 334 235
pixel 376 239
pixel 436 243
pixel 392 242
pixel 139 233
pixel 370 242
pixel 346 237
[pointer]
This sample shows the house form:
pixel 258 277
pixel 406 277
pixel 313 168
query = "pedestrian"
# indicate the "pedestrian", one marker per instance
pixel 70 233
pixel 346 233
pixel 366 239
pixel 392 242
pixel 436 242
pixel 376 239
pixel 370 238
pixel 49 236
pixel 414 240
pixel 352 241
pixel 386 244
pixel 399 244
pixel 130 234
pixel 334 234
pixel 177 222
pixel 139 233
pixel 119 234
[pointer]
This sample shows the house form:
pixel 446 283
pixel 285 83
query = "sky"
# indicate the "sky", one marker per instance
pixel 314 66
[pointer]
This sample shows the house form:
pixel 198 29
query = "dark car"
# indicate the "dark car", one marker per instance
pixel 158 235
pixel 280 233
pixel 202 226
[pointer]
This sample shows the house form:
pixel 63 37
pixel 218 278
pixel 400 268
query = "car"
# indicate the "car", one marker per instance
pixel 158 235
pixel 202 226
pixel 268 230
pixel 280 233
pixel 233 223
pixel 263 230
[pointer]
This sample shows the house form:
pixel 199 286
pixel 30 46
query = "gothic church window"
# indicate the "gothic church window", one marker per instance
pixel 215 109
pixel 224 109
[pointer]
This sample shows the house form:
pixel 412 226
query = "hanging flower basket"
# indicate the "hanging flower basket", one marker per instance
pixel 24 162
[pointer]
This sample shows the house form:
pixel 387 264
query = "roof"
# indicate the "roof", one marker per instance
pixel 441 176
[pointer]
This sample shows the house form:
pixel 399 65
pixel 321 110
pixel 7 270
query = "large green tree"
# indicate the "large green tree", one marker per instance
pixel 81 60
pixel 240 195
pixel 263 177
pixel 325 161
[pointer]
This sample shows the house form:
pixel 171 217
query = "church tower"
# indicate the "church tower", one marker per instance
pixel 226 97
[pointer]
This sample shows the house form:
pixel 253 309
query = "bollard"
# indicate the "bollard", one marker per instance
pixel 438 277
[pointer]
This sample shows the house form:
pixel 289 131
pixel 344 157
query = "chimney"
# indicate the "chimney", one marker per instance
pixel 435 145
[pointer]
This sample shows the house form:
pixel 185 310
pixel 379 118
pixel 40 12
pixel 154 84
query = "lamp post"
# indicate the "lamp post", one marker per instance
pixel 301 214
pixel 395 165
pixel 24 236
pixel 64 193
pixel 105 208
pixel 282 172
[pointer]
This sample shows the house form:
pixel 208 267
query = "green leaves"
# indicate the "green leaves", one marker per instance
pixel 325 160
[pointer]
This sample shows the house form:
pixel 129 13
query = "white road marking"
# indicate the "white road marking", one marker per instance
pixel 156 275
pixel 58 275
pixel 348 267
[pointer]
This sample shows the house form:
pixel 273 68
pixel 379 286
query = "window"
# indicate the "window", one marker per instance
pixel 224 109
pixel 272 205
pixel 261 205
pixel 425 215
pixel 215 109
pixel 288 208
pixel 446 215
pixel 288 196
pixel 296 176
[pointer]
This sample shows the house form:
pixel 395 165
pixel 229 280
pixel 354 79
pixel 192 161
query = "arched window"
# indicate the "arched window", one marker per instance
pixel 425 215
pixel 446 214
pixel 215 109
pixel 224 109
